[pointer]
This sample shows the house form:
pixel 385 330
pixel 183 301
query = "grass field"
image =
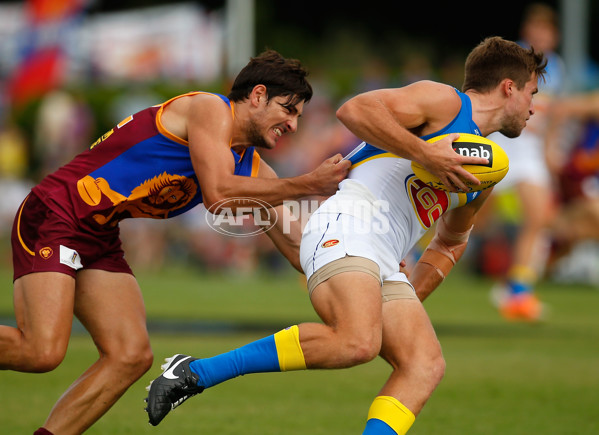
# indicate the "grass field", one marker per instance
pixel 502 378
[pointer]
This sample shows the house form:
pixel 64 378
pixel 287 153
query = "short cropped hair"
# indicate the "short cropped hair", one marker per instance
pixel 282 77
pixel 495 59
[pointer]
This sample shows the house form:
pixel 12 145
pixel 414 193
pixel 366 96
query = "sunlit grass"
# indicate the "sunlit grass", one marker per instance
pixel 506 378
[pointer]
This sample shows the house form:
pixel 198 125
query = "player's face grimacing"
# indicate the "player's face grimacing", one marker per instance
pixel 520 108
pixel 276 118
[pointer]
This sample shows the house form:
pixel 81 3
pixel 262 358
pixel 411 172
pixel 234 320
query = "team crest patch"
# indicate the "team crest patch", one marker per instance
pixel 46 252
pixel 330 243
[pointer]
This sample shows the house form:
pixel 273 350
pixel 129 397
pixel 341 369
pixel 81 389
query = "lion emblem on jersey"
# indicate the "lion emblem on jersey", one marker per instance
pixel 154 198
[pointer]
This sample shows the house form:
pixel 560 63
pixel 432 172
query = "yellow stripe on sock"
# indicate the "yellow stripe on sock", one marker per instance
pixel 522 273
pixel 289 351
pixel 392 412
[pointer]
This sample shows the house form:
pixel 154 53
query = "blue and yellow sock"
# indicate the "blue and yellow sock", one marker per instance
pixel 277 353
pixel 388 416
pixel 521 279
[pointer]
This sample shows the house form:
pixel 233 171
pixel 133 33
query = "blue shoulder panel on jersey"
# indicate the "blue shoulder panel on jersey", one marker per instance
pixel 222 97
pixel 363 152
pixel 462 123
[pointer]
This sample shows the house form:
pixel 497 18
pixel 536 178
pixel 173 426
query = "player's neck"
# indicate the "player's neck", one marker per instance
pixel 486 110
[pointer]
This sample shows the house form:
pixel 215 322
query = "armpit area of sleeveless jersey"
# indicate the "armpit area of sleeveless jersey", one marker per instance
pixel 136 170
pixel 410 206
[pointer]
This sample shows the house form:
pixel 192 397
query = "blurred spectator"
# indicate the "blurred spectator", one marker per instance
pixel 213 251
pixel 14 186
pixel 64 127
pixel 575 230
pixel 13 152
pixel 145 243
pixel 529 176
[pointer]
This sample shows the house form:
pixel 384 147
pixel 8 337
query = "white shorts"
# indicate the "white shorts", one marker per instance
pixel 330 236
pixel 527 160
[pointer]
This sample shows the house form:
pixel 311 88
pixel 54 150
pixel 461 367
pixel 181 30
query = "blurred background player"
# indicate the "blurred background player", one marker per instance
pixel 529 177
pixel 574 121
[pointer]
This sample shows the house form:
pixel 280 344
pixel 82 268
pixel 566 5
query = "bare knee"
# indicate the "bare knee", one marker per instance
pixel 43 359
pixel 430 369
pixel 146 360
pixel 424 366
pixel 362 349
pixel 436 369
pixel 134 360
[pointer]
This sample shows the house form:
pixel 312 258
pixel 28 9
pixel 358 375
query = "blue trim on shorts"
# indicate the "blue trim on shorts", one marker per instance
pixel 318 244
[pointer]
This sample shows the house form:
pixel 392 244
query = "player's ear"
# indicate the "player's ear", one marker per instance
pixel 507 87
pixel 258 95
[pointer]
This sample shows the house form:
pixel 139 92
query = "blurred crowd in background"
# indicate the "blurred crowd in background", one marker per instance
pixel 95 72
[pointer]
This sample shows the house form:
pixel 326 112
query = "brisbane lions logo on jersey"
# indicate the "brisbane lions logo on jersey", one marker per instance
pixel 154 198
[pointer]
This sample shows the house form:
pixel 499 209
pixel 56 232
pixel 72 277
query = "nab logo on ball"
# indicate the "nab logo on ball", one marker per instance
pixel 471 145
pixel 470 149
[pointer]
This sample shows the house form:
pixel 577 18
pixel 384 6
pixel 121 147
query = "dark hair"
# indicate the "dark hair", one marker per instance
pixel 495 59
pixel 282 77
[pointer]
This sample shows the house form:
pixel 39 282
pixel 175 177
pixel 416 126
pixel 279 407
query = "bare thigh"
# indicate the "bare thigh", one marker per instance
pixel 111 307
pixel 43 305
pixel 350 306
pixel 350 301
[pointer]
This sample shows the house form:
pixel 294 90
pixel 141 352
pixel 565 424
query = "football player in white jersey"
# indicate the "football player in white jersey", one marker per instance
pixel 353 245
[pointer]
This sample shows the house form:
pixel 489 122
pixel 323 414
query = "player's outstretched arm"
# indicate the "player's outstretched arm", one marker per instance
pixel 210 129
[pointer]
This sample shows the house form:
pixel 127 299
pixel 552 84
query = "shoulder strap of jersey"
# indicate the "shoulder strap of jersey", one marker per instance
pixel 170 135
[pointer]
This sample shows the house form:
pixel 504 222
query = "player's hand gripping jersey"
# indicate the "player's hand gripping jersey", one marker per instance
pixel 137 169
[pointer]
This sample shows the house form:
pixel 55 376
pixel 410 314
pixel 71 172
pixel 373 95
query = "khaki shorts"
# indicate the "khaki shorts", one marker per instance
pixel 390 289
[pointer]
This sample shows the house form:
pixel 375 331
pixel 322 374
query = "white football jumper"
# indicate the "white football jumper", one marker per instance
pixel 381 210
